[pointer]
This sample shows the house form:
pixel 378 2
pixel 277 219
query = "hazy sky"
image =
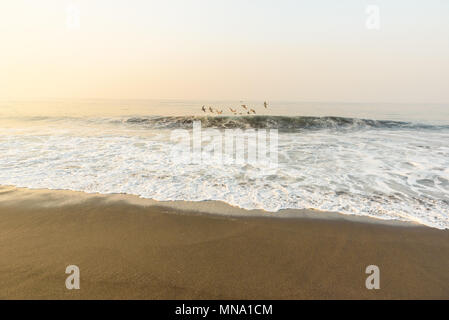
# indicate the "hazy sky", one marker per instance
pixel 225 49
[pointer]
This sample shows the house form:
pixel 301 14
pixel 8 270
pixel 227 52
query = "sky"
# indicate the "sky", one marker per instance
pixel 291 50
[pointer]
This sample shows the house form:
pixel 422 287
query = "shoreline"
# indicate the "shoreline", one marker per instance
pixel 129 250
pixel 56 197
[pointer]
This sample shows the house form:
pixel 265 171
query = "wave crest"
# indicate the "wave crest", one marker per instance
pixel 284 123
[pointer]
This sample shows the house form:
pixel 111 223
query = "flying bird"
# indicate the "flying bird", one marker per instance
pixel 211 110
pixel 232 110
pixel 244 106
pixel 203 108
pixel 265 104
pixel 253 111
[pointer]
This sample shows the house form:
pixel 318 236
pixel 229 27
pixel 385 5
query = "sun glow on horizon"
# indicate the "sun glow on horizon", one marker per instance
pixel 284 50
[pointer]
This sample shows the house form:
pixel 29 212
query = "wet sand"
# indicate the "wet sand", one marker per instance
pixel 129 248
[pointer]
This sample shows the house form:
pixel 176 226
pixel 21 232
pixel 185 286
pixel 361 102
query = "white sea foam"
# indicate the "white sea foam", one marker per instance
pixel 383 172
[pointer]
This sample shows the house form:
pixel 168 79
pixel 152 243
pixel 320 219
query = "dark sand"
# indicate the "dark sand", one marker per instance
pixel 129 250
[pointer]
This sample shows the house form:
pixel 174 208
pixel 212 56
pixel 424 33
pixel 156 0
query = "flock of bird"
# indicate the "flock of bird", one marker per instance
pixel 244 110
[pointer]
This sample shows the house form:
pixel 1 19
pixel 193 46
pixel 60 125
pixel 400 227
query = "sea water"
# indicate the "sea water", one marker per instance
pixel 388 161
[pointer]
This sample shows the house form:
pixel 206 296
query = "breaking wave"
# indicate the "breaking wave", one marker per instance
pixel 283 123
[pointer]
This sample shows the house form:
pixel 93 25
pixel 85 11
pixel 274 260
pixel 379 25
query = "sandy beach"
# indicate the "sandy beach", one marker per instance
pixel 129 248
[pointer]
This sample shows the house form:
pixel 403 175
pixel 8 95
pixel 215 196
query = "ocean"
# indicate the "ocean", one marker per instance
pixel 387 161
